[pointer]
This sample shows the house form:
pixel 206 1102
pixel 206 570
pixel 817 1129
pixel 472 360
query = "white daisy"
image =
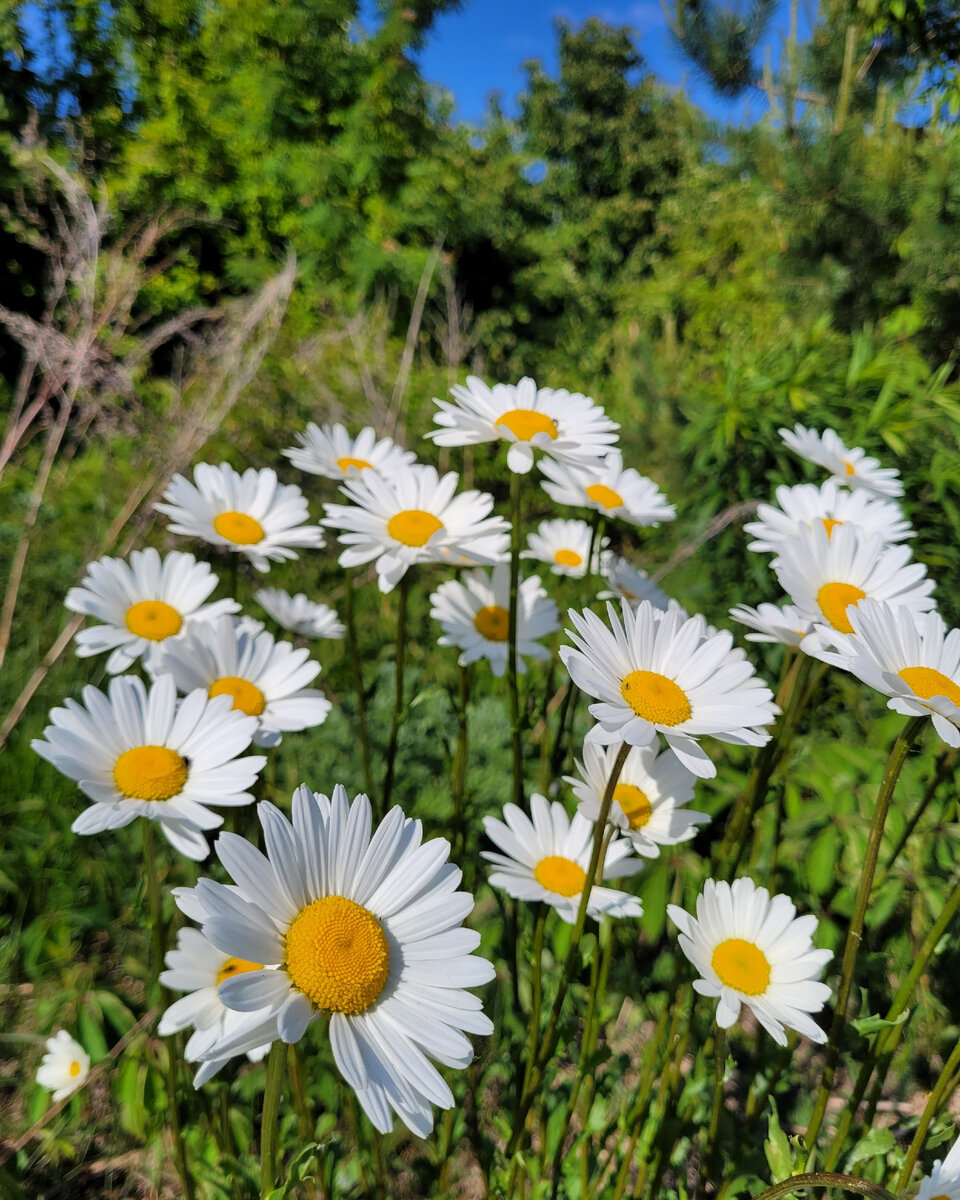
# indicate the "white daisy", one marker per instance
pixel 547 859
pixel 648 799
pixel 825 574
pixel 141 754
pixel 251 513
pixel 415 517
pixel 566 425
pixel 365 929
pixel 912 659
pixel 475 615
pixel 785 625
pixel 330 451
pixel 605 486
pixel 300 615
pixel 143 604
pixel 628 582
pixel 197 967
pixel 266 679
pixel 853 468
pixel 565 545
pixel 806 504
pixel 943 1182
pixel 753 949
pixel 64 1067
pixel 654 671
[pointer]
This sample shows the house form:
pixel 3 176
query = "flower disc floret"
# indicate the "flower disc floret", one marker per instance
pixel 239 528
pixel 741 965
pixel 337 954
pixel 246 696
pixel 153 620
pixel 561 875
pixel 655 698
pixel 150 773
pixel 525 424
pixel 414 527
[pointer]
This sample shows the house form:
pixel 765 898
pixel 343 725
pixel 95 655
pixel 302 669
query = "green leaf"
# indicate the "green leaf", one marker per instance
pixel 822 860
pixel 874 1144
pixel 777 1147
pixel 874 1023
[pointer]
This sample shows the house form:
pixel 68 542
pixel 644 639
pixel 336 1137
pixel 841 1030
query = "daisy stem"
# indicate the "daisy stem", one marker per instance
pixel 935 1099
pixel 354 652
pixel 536 992
pixel 301 1100
pixel 710 1145
pixel 270 1118
pixel 945 764
pixel 596 537
pixel 566 716
pixel 888 1038
pixel 548 1042
pixel 400 662
pixel 826 1179
pixel 512 679
pixel 898 753
pixel 459 781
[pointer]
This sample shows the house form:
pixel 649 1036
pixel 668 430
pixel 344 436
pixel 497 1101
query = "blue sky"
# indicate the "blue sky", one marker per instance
pixel 482 48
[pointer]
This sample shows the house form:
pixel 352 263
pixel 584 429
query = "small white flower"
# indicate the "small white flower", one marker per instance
pixel 662 672
pixel 785 625
pixel 830 505
pixel 568 426
pixel 330 451
pixel 415 517
pixel 607 487
pixel 475 615
pixel 547 858
pixel 252 513
pixel 648 799
pixel 853 468
pixel 265 679
pixel 64 1067
pixel 300 615
pixel 943 1182
pixel 142 604
pixel 565 545
pixel 143 754
pixel 628 582
pixel 752 949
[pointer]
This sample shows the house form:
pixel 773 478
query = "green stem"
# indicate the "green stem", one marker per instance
pixel 812 1179
pixel 934 1101
pixel 596 540
pixel 458 786
pixel 400 662
pixel 354 651
pixel 301 1101
pixel 270 1120
pixel 898 753
pixel 565 718
pixel 512 678
pixel 944 766
pixel 720 1070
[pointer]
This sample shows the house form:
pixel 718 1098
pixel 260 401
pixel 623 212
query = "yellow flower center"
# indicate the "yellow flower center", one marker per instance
pixel 337 955
pixel 246 697
pixel 526 423
pixel 830 524
pixel 849 467
pixel 345 463
pixel 493 623
pixel 568 558
pixel 150 773
pixel 634 803
pixel 655 698
pixel 834 600
pixel 560 875
pixel 599 493
pixel 153 619
pixel 927 681
pixel 413 526
pixel 236 966
pixel 239 528
pixel 742 965
pixel 74 1070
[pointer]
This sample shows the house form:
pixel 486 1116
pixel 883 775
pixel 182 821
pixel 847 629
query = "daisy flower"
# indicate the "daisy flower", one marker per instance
pixel 662 672
pixel 608 488
pixel 751 948
pixel 364 929
pixel 141 754
pixel 475 615
pixel 64 1067
pixel 264 678
pixel 547 858
pixel 415 517
pixel 785 625
pixel 197 967
pixel 566 425
pixel 330 451
pixel 628 582
pixel 912 659
pixel 853 468
pixel 648 799
pixel 300 615
pixel 943 1182
pixel 565 545
pixel 825 574
pixel 807 504
pixel 143 604
pixel 251 513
